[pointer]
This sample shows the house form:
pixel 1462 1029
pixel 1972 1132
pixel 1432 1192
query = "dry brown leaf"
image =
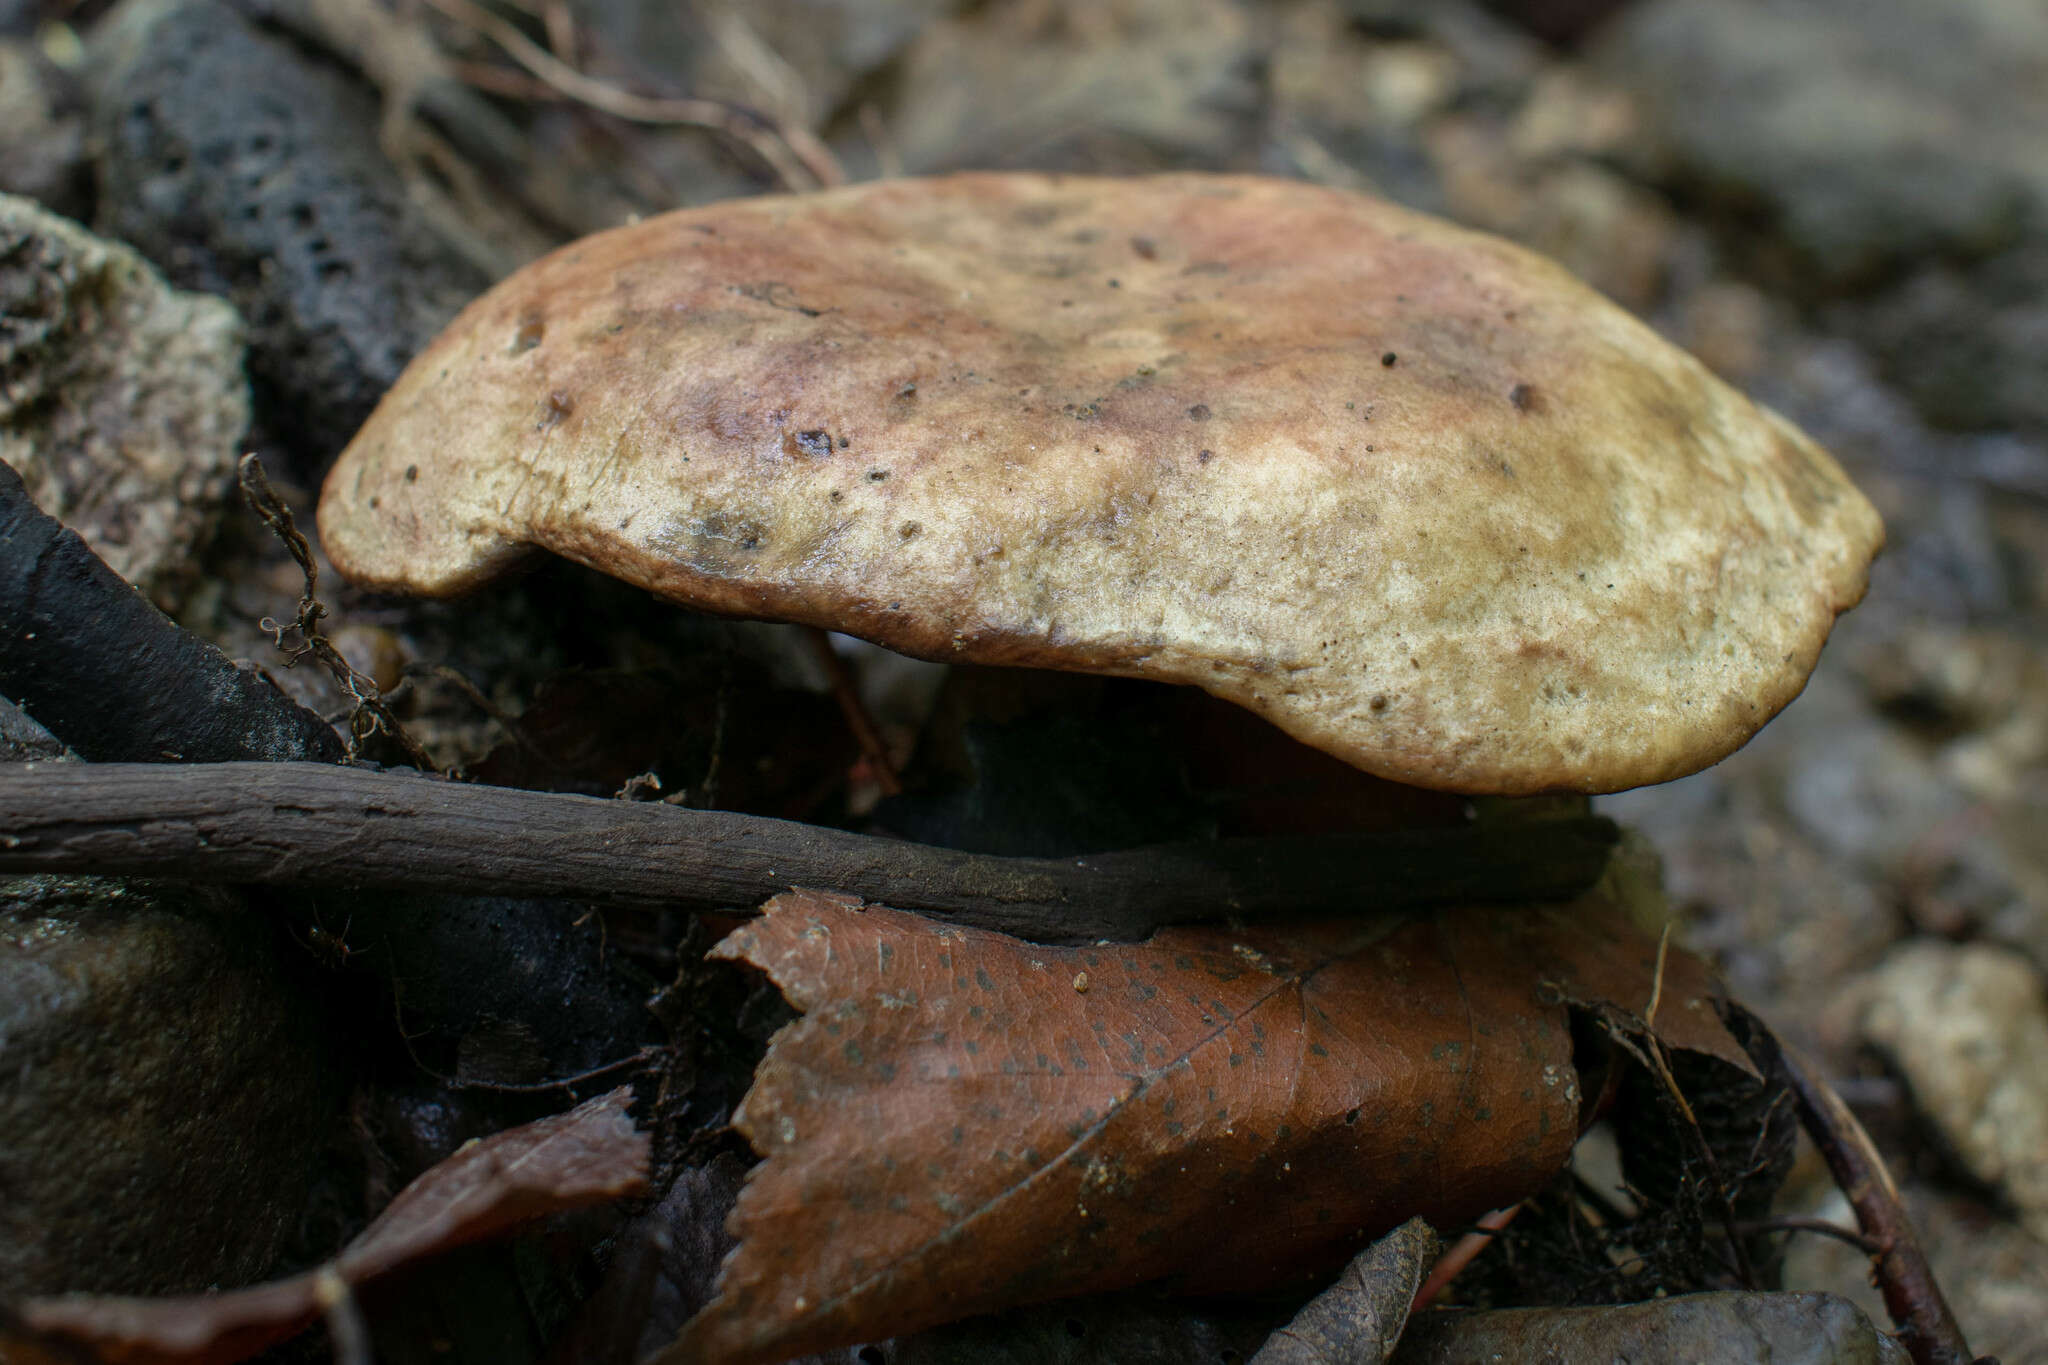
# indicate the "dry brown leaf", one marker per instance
pixel 588 1155
pixel 963 1121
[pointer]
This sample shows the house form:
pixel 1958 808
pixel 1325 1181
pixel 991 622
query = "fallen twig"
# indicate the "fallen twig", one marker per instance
pixel 304 824
pixel 107 673
pixel 1927 1327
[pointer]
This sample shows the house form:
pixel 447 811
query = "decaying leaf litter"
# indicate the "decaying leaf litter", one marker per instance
pixel 273 608
pixel 1217 1110
pixel 591 1154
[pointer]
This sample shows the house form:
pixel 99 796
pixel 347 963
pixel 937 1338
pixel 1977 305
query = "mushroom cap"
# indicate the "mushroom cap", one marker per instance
pixel 1412 493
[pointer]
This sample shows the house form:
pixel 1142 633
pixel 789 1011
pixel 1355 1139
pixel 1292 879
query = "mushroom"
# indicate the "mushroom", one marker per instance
pixel 1410 492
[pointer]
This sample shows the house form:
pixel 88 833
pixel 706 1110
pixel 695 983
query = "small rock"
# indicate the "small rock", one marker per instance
pixel 1982 693
pixel 164 1098
pixel 1348 107
pixel 1868 794
pixel 1968 1027
pixel 1731 1328
pixel 42 131
pixel 1609 231
pixel 1873 136
pixel 1557 21
pixel 816 51
pixel 1078 85
pixel 1967 342
pixel 1571 112
pixel 121 399
pixel 1902 149
pixel 1728 326
pixel 22 740
pixel 245 167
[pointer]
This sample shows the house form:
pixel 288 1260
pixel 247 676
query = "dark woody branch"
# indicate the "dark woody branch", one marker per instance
pixel 323 825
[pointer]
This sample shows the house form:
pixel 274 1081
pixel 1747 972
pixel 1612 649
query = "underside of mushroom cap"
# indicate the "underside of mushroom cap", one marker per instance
pixel 1412 493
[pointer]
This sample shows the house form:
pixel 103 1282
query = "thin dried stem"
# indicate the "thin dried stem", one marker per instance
pixel 1462 1253
pixel 1822 1226
pixel 347 1332
pixel 847 694
pixel 888 159
pixel 796 156
pixel 1657 982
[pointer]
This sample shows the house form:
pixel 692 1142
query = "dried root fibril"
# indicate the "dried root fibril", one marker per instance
pixel 302 637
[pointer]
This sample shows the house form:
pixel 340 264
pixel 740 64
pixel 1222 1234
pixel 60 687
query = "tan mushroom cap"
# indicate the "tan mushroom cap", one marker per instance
pixel 1412 493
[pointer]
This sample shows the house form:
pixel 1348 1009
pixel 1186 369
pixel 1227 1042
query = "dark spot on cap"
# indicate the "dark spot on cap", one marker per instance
pixel 412 473
pixel 1379 702
pixel 908 530
pixel 532 327
pixel 1205 457
pixel 845 441
pixel 1199 412
pixel 1525 398
pixel 877 475
pixel 559 406
pixel 1389 359
pixel 1146 248
pixel 816 444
